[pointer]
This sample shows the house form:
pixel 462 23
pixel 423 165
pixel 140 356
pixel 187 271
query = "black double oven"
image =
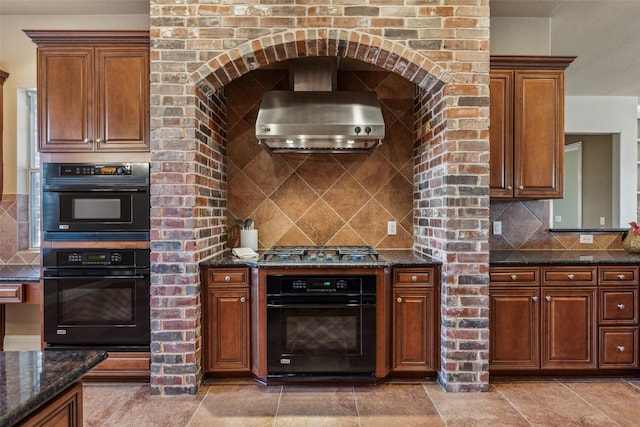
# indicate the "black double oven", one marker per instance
pixel 96 295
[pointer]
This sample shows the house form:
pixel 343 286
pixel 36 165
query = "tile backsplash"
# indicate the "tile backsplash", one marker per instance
pixel 525 225
pixel 14 231
pixel 322 199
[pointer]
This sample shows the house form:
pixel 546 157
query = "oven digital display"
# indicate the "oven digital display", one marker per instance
pixel 106 170
pixel 322 284
pixel 96 257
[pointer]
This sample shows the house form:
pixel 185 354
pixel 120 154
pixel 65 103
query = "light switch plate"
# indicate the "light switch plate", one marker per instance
pixel 391 228
pixel 497 227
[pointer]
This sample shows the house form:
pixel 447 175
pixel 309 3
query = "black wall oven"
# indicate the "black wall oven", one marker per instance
pixel 89 202
pixel 97 298
pixel 321 328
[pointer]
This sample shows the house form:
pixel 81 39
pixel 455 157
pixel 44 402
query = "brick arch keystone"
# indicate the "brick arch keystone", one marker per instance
pixel 292 44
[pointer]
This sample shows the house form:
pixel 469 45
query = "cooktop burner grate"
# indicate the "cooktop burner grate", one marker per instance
pixel 320 254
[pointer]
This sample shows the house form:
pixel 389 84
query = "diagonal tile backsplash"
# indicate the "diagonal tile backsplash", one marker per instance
pixel 322 199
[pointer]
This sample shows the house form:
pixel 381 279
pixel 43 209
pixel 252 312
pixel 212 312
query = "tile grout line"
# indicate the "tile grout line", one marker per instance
pixel 355 401
pixel 206 396
pixel 426 392
pixel 513 405
pixel 586 401
pixel 275 416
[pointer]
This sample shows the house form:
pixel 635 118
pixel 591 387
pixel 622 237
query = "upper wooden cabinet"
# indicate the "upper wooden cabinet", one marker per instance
pixel 527 127
pixel 93 90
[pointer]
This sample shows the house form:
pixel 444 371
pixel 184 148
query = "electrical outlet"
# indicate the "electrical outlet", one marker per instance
pixel 603 221
pixel 586 239
pixel 391 228
pixel 558 218
pixel 497 227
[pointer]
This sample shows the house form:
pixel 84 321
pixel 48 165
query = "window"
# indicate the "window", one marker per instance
pixel 33 170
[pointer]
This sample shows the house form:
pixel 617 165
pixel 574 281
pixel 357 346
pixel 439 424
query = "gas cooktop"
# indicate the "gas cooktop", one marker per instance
pixel 320 254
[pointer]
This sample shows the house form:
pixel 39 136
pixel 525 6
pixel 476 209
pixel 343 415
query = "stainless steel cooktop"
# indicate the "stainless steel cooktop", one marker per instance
pixel 320 254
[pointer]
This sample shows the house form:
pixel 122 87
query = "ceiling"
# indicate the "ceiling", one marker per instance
pixel 604 35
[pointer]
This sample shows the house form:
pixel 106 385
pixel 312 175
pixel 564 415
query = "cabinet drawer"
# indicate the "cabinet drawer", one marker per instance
pixel 626 275
pixel 422 277
pixel 618 306
pixel 228 276
pixel 618 347
pixel 11 293
pixel 525 276
pixel 583 276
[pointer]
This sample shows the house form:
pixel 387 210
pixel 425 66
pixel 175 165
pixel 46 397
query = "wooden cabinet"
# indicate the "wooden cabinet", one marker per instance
pixel 527 127
pixel 93 90
pixel 226 320
pixel 64 410
pixel 571 318
pixel 618 317
pixel 415 331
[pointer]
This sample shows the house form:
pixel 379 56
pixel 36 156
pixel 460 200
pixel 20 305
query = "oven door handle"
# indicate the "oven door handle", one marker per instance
pixel 321 306
pixel 99 276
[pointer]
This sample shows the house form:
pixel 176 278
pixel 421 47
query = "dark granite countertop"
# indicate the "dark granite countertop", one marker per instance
pixel 387 258
pixel 562 257
pixel 19 273
pixel 28 379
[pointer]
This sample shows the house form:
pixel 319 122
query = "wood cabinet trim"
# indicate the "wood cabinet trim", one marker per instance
pixel 87 37
pixel 530 62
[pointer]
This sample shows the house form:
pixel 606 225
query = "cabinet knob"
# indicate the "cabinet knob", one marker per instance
pixel 534 298
pixel 399 299
pixel 571 276
pixel 521 187
pixel 620 306
pixel 414 278
pixel 621 276
pixel 621 348
pixel 243 299
pixel 548 298
pixel 227 278
pixel 100 140
pixel 87 140
pixel 509 187
pixel 514 277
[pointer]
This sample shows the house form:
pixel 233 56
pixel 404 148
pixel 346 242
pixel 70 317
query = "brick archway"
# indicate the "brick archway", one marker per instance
pixel 254 54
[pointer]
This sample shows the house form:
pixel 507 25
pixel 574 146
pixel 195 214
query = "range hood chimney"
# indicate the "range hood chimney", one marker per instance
pixel 315 117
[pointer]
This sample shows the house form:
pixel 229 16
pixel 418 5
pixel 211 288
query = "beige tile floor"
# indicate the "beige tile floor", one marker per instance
pixel 549 402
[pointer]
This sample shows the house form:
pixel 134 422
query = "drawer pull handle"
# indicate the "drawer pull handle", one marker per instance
pixel 227 278
pixel 620 306
pixel 414 278
pixel 534 298
pixel 243 299
pixel 571 276
pixel 621 348
pixel 548 298
pixel 621 276
pixel 399 299
pixel 514 277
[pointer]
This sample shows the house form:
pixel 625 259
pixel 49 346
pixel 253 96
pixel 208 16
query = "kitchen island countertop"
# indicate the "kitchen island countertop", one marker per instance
pixel 31 378
pixel 562 257
pixel 387 258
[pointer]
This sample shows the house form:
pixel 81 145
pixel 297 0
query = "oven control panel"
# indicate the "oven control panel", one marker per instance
pixel 315 284
pixel 95 258
pixel 91 169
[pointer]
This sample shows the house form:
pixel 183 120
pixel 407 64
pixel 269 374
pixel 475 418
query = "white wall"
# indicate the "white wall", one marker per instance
pixel 520 36
pixel 18 58
pixel 611 115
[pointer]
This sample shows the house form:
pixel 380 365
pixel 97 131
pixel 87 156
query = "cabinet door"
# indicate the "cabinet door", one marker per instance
pixel 514 325
pixel 122 76
pixel 65 97
pixel 413 337
pixel 227 329
pixel 539 134
pixel 501 134
pixel 569 328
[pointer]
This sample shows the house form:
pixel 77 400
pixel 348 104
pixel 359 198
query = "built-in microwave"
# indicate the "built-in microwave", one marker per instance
pixel 89 202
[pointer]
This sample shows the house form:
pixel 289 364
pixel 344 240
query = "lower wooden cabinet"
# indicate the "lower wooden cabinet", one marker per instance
pixel 63 411
pixel 569 328
pixel 415 334
pixel 515 328
pixel 226 327
pixel 563 318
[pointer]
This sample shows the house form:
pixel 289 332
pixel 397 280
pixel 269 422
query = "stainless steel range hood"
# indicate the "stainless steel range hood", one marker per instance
pixel 315 118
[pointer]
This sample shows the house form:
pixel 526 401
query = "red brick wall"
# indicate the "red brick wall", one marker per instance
pixel 197 48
